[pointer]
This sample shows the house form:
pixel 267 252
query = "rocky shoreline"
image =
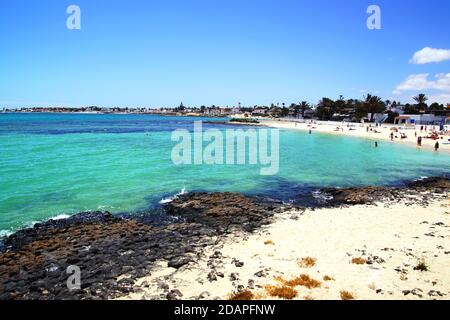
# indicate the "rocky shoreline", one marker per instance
pixel 113 252
pixel 418 192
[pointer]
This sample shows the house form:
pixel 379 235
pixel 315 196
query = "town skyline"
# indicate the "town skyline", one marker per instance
pixel 370 109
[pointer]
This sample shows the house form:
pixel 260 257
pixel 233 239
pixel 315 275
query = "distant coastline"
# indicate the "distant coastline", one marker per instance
pixel 113 113
pixel 190 112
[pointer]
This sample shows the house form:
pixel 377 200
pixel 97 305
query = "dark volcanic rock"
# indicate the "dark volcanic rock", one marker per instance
pixel 178 262
pixel 106 248
pixel 174 295
pixel 355 195
pixel 103 247
pixel 25 236
pixel 368 195
pixel 435 185
pixel 111 252
pixel 222 210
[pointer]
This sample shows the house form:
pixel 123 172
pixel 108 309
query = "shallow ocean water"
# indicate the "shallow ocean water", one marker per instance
pixel 58 164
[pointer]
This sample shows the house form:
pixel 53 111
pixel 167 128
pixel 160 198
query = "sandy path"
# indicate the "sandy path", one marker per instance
pixel 393 238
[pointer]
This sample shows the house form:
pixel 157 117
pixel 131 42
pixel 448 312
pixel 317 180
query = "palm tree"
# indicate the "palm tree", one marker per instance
pixel 421 100
pixel 373 104
pixel 325 108
pixel 304 105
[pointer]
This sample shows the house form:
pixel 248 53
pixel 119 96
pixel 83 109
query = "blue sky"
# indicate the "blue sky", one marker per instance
pixel 159 53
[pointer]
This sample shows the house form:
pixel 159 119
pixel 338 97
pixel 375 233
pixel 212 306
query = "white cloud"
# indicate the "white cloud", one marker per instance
pixel 442 82
pixel 420 81
pixel 429 55
pixel 415 82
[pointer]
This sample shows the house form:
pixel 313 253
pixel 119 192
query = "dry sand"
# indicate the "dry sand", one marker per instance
pixel 392 238
pixel 360 131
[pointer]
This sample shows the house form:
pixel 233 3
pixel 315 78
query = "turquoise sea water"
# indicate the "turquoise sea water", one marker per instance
pixel 54 164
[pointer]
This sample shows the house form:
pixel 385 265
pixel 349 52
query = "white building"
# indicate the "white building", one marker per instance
pixel 447 124
pixel 420 119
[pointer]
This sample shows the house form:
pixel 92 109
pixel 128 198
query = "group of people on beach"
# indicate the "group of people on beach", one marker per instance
pixel 433 136
pixel 392 135
pixel 419 143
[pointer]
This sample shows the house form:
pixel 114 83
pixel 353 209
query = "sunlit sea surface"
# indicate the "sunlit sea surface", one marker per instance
pixel 54 165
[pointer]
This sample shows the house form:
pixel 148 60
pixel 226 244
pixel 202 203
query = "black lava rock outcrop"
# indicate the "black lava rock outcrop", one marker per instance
pixel 369 195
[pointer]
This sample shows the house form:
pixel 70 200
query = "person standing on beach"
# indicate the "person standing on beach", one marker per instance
pixel 392 136
pixel 419 141
pixel 436 146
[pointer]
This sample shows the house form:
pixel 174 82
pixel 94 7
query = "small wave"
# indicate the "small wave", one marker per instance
pixel 105 208
pixel 321 196
pixel 170 199
pixel 60 217
pixel 55 218
pixel 5 233
pixel 31 224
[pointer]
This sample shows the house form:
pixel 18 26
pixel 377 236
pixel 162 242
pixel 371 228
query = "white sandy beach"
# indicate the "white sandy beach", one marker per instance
pixel 381 133
pixel 393 239
pixel 359 252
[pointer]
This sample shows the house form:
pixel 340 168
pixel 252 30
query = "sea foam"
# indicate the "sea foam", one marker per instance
pixel 170 199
